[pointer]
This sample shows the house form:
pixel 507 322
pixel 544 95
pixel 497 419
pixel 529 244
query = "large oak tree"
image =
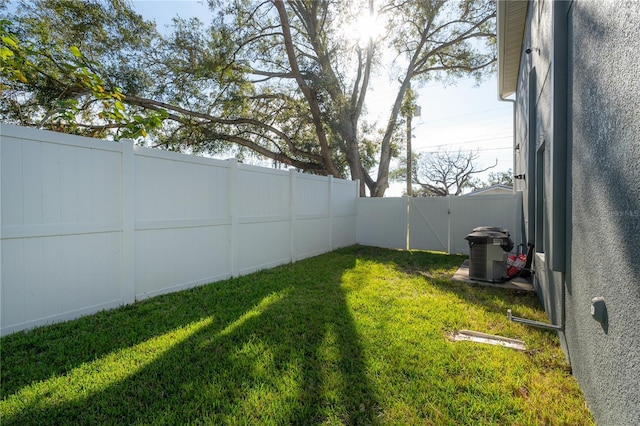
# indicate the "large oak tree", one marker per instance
pixel 285 80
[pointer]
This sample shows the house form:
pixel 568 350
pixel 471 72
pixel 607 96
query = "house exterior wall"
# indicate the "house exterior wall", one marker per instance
pixel 533 157
pixel 601 207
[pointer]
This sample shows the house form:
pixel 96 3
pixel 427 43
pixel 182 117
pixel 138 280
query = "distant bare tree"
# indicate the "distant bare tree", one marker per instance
pixel 443 173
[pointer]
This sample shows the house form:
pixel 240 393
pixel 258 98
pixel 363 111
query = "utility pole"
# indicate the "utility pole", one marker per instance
pixel 409 160
pixel 410 109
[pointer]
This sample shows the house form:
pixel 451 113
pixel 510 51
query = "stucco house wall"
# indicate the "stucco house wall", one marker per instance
pixel 578 143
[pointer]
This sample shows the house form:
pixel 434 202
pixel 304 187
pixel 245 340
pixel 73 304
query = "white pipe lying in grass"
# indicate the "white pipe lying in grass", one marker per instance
pixel 533 323
pixel 476 336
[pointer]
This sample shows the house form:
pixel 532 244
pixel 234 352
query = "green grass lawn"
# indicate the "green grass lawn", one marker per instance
pixel 357 336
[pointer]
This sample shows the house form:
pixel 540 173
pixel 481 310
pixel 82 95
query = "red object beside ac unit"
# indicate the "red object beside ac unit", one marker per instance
pixel 515 263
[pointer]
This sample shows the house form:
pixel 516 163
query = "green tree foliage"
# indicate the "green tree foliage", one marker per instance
pixel 286 81
pixel 494 178
pixel 55 76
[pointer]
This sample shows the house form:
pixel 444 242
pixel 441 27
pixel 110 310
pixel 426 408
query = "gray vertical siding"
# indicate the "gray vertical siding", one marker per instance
pixel 602 192
pixel 605 204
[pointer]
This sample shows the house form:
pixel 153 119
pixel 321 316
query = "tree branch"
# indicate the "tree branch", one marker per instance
pixel 208 119
pixel 309 94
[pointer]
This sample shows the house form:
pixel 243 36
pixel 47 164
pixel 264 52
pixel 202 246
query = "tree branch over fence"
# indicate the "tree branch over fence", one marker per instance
pixel 282 80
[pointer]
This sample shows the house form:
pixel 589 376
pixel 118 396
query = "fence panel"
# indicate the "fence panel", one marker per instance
pixel 89 225
pixel 61 226
pixel 429 223
pixel 182 221
pixel 382 222
pixel 263 204
pixel 184 188
pixel 344 212
pixel 501 210
pixel 437 223
pixel 311 215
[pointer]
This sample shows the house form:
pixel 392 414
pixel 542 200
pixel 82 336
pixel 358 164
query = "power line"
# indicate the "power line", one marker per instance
pixel 463 115
pixel 499 134
pixel 466 150
pixel 470 141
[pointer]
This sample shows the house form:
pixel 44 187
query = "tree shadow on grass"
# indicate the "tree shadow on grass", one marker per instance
pixel 70 344
pixel 282 348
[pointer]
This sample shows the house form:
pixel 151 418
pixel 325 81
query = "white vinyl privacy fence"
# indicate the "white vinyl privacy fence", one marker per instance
pixel 435 223
pixel 87 225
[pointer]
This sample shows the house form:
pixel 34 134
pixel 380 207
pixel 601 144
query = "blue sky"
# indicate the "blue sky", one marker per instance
pixel 458 116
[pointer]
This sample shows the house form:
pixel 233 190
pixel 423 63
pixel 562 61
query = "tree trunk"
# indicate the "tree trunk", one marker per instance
pixel 309 94
pixel 348 132
pixel 382 183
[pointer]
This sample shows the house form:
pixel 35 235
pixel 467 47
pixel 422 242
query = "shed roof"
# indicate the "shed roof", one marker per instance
pixel 512 16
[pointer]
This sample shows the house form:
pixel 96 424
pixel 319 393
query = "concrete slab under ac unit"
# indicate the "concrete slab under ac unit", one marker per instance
pixel 462 274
